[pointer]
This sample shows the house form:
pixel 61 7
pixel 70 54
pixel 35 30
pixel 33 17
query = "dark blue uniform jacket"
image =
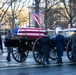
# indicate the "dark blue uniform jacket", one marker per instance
pixel 46 44
pixel 60 44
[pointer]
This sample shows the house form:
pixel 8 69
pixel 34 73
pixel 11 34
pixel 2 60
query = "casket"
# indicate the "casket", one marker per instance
pixel 30 32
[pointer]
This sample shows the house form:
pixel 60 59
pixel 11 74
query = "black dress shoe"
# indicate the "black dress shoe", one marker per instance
pixel 8 59
pixel 59 62
pixel 48 63
pixel 42 63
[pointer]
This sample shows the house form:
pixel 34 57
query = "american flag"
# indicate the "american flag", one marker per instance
pixel 37 18
pixel 31 32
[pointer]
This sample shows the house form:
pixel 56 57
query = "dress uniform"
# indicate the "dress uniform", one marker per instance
pixel 60 45
pixel 73 38
pixel 45 42
pixel 9 35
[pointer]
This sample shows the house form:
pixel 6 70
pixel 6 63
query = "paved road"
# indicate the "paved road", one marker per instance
pixel 30 67
pixel 44 70
pixel 29 62
pixel 35 69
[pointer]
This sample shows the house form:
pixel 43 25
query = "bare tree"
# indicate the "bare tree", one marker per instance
pixel 10 10
pixel 71 13
pixel 49 12
pixel 66 11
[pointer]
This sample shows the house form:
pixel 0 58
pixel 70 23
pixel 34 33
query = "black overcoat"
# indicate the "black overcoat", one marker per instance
pixel 46 44
pixel 60 44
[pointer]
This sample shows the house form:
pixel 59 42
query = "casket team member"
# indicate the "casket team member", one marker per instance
pixel 45 42
pixel 73 38
pixel 60 45
pixel 8 35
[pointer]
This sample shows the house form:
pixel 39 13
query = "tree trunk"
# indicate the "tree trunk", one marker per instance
pixel 36 9
pixel 45 17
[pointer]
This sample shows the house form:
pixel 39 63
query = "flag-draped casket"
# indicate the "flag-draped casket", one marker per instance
pixel 29 32
pixel 21 36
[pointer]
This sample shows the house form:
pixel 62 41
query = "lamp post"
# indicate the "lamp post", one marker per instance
pixel 12 9
pixel 29 10
pixel 45 17
pixel 71 11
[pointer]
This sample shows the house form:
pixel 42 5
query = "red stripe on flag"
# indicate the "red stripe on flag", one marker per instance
pixel 37 19
pixel 31 32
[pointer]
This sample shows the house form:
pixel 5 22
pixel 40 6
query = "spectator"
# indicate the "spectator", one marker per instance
pixel 45 42
pixel 8 35
pixel 60 45
pixel 1 46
